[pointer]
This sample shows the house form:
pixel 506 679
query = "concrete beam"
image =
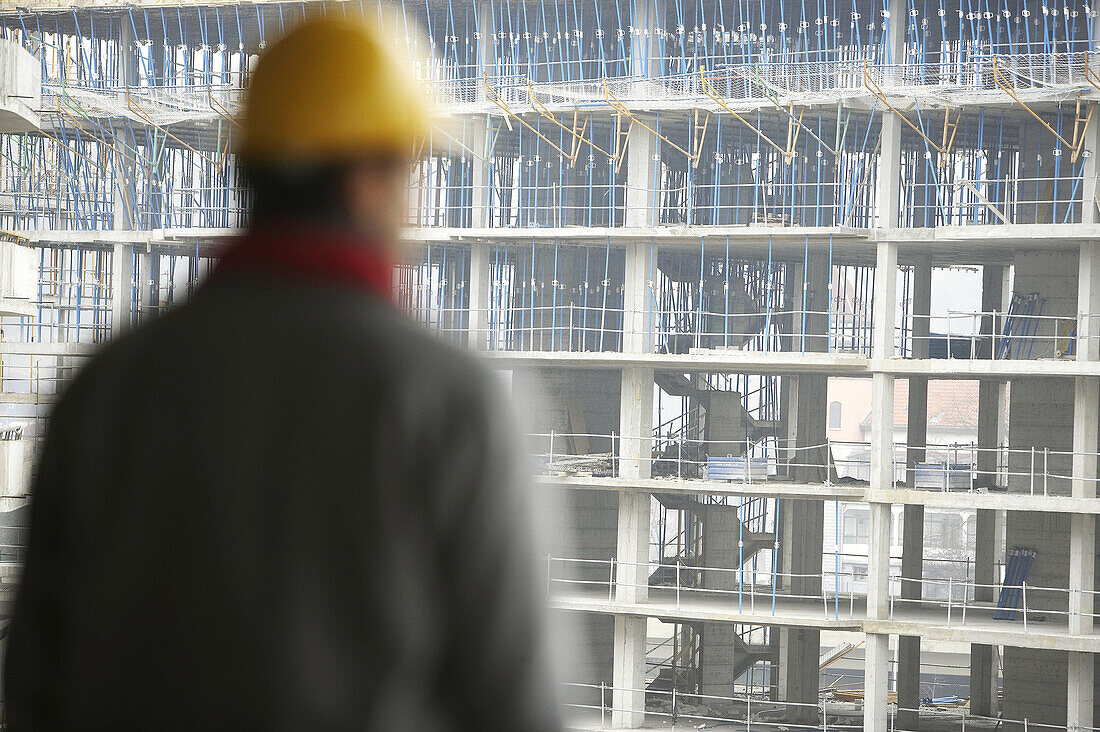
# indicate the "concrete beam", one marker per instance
pixel 997 502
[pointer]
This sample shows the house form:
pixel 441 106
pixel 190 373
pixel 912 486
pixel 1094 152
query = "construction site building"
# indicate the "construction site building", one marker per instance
pixel 676 227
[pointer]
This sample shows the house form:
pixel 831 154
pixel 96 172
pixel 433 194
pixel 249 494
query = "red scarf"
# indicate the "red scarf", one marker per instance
pixel 319 255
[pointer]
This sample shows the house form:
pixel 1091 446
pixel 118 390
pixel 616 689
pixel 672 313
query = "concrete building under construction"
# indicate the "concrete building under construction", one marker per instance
pixel 674 226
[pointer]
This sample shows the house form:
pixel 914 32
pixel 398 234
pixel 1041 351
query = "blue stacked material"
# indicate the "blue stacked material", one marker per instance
pixel 734 468
pixel 1020 559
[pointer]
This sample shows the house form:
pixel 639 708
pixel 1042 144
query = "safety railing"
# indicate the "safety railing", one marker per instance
pixel 756 591
pixel 596 703
pixel 518 324
pixel 1054 199
pixel 787 78
pixel 1025 603
pixel 24 371
pixel 567 326
pixel 947 468
pixel 962 719
pixel 827 596
pixel 198 100
pixel 1022 332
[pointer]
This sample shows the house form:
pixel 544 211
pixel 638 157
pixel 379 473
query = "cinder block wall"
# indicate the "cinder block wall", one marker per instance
pixel 585 650
pixel 582 524
pixel 1035 687
pixel 1041 416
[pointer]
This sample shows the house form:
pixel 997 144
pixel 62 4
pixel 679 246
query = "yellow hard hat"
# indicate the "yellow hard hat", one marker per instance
pixel 331 89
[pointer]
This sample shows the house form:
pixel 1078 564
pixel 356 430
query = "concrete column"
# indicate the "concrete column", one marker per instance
pixel 632 554
pixel 876 659
pixel 1082 527
pixel 1080 691
pixel 637 320
pixel 147 277
pixel 1088 302
pixel 642 146
pixel 124 209
pixel 122 287
pixel 889 180
pixel 990 522
pixel 646 16
pixel 912 551
pixel 477 139
pixel 802 521
pixel 641 149
pixel 628 696
pixel 876 680
pixel 1090 176
pixel 486 45
pixel 478 136
pixel 479 295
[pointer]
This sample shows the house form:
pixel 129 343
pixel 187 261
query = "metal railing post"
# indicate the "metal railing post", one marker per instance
pixel 1033 470
pixel 603 703
pixel 615 455
pixel 748 451
pixel 1046 469
pixel 1023 597
pixel 611 581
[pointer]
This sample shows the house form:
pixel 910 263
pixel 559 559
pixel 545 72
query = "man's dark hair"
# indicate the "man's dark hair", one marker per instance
pixel 310 193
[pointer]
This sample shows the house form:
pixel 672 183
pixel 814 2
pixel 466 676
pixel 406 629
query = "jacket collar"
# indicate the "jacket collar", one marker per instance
pixel 314 254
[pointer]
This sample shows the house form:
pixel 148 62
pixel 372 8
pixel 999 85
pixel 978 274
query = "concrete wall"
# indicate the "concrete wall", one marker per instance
pixel 1053 276
pixel 586 527
pixel 1034 683
pixel 586 656
pixel 585 523
pixel 13 467
pixel 20 89
pixel 1041 416
pixel 18 279
pixel 545 397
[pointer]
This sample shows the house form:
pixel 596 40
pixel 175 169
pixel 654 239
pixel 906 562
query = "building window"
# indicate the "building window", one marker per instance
pixel 945 531
pixel 857 527
pixel 834 415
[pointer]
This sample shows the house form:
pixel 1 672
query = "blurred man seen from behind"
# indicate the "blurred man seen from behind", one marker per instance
pixel 283 505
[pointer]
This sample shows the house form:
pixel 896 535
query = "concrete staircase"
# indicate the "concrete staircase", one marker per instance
pixel 714 327
pixel 721 526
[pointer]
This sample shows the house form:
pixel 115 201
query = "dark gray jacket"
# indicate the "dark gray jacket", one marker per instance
pixel 281 505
